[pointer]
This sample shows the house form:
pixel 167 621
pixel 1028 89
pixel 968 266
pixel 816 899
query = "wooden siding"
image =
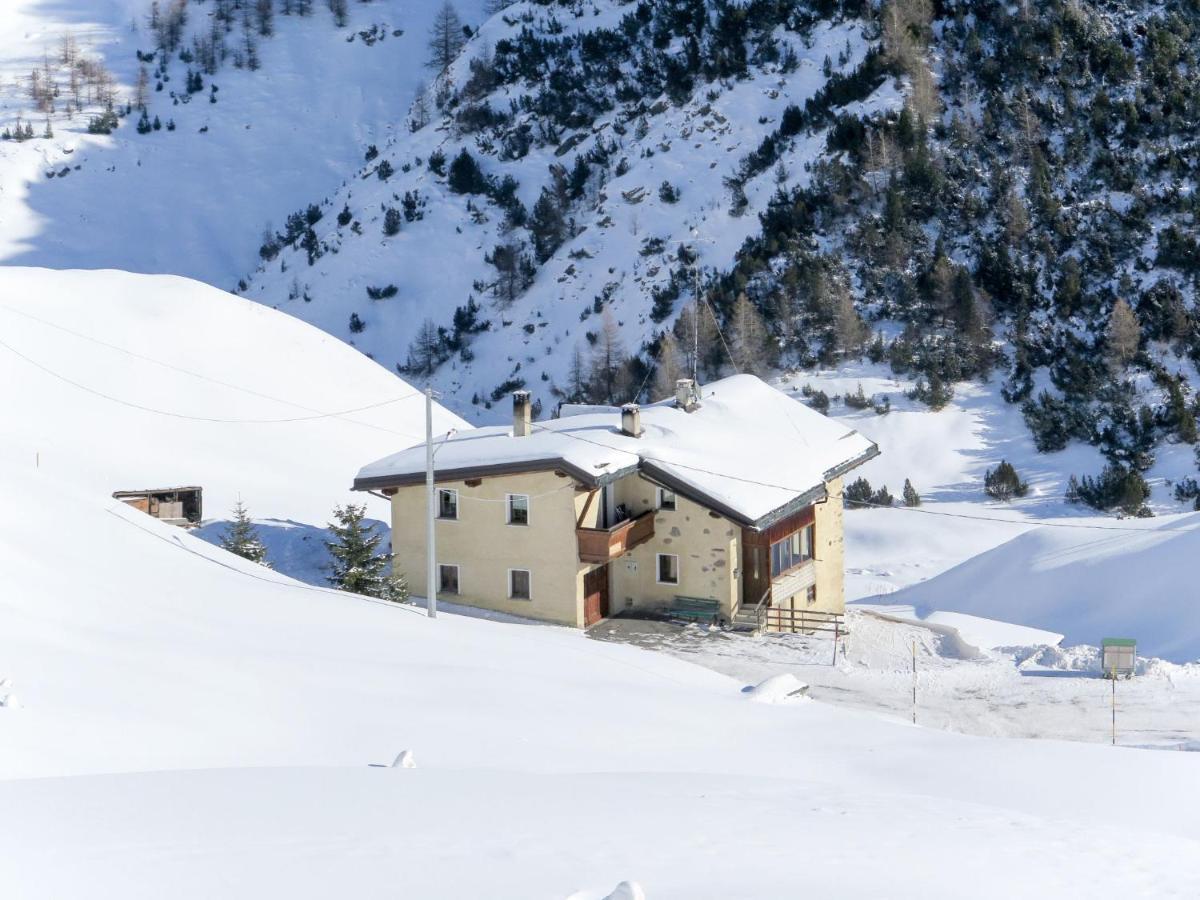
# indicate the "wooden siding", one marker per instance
pixel 756 553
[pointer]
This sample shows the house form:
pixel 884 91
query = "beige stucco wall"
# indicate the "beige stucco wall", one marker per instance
pixel 706 544
pixel 831 552
pixel 828 566
pixel 485 547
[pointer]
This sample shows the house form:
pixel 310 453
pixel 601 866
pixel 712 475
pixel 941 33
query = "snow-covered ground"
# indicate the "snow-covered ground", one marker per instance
pixel 1037 561
pixel 178 721
pixel 194 201
pixel 1032 688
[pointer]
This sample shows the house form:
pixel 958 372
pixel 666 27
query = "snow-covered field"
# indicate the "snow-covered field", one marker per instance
pixel 1031 688
pixel 177 721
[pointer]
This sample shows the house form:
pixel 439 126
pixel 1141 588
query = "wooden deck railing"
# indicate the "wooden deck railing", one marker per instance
pixel 601 545
pixel 801 621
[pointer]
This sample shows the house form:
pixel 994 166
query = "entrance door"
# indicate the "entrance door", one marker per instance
pixel 595 596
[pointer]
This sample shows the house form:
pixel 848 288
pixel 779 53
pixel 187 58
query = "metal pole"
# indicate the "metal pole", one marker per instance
pixel 430 511
pixel 1114 707
pixel 914 646
pixel 696 321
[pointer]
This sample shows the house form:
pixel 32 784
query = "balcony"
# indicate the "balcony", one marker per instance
pixel 601 545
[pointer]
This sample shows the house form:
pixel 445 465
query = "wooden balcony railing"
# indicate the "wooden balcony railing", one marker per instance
pixel 601 545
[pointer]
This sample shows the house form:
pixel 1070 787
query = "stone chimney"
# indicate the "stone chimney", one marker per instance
pixel 686 396
pixel 631 420
pixel 522 414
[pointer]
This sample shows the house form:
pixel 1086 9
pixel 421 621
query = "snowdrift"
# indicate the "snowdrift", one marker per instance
pixel 1136 581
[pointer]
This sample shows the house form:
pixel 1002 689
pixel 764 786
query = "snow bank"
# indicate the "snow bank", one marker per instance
pixel 782 688
pixel 975 631
pixel 1137 581
pixel 627 890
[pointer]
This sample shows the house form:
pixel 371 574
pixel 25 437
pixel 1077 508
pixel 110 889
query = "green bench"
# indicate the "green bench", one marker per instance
pixel 695 609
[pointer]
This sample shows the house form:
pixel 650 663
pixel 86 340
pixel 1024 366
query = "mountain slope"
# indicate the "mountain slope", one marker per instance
pixel 194 201
pixel 621 241
pixel 986 190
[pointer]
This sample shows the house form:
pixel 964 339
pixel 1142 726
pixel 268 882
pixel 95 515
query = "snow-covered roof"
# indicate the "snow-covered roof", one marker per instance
pixel 747 451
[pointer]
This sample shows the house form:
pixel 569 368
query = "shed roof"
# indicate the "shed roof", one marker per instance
pixel 747 451
pixel 145 492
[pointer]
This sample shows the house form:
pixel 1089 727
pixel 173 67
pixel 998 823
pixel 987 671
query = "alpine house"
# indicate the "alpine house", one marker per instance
pixel 720 504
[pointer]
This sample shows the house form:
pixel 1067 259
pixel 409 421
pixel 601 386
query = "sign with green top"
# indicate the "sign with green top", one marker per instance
pixel 1118 657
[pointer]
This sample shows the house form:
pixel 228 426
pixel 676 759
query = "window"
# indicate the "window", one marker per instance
pixel 447 504
pixel 810 596
pixel 792 550
pixel 448 579
pixel 518 584
pixel 518 509
pixel 668 569
pixel 666 499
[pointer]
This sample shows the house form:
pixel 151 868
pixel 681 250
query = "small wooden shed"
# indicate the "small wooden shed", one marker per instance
pixel 1118 657
pixel 181 506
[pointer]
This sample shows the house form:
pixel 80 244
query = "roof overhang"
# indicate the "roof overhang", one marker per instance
pixel 646 467
pixel 546 464
pixel 842 468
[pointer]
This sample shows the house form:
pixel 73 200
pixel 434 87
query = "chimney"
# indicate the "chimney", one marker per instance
pixel 685 394
pixel 522 414
pixel 631 420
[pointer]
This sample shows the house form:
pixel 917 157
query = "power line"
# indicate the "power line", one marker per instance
pixel 340 414
pixel 158 362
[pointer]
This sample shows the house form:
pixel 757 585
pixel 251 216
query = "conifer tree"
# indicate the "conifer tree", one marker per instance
pixel 911 497
pixel 358 565
pixel 670 367
pixel 418 116
pixel 1124 335
pixel 465 176
pixel 547 225
pixel 1003 482
pixel 749 340
pixel 849 331
pixel 446 38
pixel 577 377
pixel 608 360
pixel 696 334
pixel 241 537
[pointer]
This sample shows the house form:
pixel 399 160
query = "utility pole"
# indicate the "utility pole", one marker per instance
pixel 1114 707
pixel 696 321
pixel 430 511
pixel 697 300
pixel 914 667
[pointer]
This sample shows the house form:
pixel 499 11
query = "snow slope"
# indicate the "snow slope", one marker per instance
pixel 190 202
pixel 1137 582
pixel 547 764
pixel 96 352
pixel 176 720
